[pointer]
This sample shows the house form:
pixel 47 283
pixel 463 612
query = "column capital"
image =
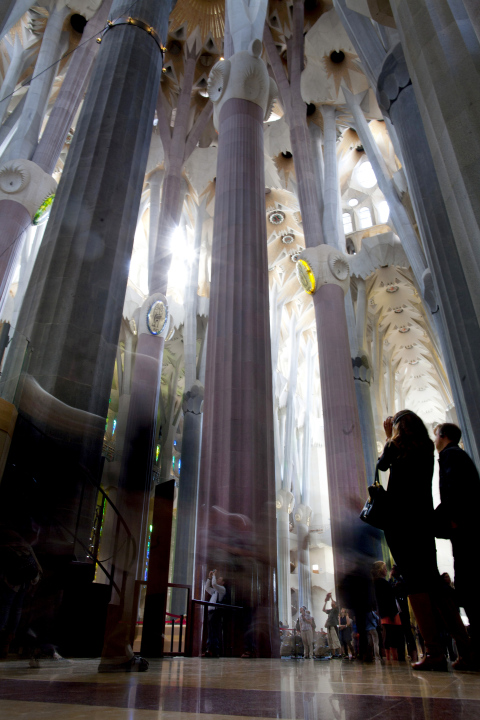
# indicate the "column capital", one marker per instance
pixel 303 514
pixel 362 369
pixel 245 77
pixel 193 399
pixel 323 265
pixel 393 78
pixel 284 501
pixel 23 181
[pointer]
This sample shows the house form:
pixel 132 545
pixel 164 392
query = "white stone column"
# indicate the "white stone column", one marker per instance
pixel 11 77
pixel 399 217
pixel 26 138
pixel 330 192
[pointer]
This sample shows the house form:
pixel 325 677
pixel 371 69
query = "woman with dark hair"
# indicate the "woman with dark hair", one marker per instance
pixel 408 527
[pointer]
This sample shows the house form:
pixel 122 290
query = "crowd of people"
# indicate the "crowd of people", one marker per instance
pixel 390 609
pixel 413 610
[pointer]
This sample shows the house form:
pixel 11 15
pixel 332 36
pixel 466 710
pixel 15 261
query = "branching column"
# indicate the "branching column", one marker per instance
pixel 19 202
pixel 73 307
pixel 237 479
pixel 345 464
pixel 457 320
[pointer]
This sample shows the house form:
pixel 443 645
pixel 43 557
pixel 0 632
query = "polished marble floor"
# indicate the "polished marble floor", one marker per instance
pixel 211 689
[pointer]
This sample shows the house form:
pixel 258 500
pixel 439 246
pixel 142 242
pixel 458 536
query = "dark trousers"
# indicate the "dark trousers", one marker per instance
pixel 214 631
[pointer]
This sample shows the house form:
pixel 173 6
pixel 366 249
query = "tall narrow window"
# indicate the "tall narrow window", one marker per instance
pixel 347 223
pixel 365 218
pixel 383 211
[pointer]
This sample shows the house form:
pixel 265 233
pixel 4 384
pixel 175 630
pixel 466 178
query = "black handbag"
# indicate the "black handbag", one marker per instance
pixel 374 511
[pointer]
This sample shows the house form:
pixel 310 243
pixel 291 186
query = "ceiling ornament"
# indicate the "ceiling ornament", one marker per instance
pixel 340 70
pixel 276 217
pixel 392 288
pixel 206 15
pixel 288 239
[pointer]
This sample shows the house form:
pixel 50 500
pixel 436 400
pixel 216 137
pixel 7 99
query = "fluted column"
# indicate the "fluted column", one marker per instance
pixel 442 62
pixel 187 494
pixel 36 184
pixel 284 505
pixel 192 433
pixel 73 307
pixel 303 514
pixel 237 479
pixel 328 278
pixel 71 94
pixel 457 320
pixel 362 373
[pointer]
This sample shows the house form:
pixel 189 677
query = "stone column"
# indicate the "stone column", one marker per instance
pixel 187 493
pixel 37 183
pixel 443 67
pixel 26 138
pixel 73 306
pixel 155 181
pixel 288 456
pixel 316 138
pixel 399 217
pixel 329 278
pixel 237 479
pixel 330 192
pixel 71 93
pixel 456 321
pixel 303 514
pixel 192 433
pixel 362 373
pixel 11 76
pixel 284 504
pixel 10 13
pixel 23 188
pixel 345 464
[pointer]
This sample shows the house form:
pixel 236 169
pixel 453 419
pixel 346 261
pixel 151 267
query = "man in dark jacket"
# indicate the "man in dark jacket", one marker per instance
pixel 460 500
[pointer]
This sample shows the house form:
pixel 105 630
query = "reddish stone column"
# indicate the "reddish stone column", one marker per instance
pixel 15 222
pixel 236 511
pixel 343 441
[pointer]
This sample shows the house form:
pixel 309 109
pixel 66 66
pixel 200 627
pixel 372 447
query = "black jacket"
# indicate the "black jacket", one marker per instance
pixel 459 486
pixel 409 490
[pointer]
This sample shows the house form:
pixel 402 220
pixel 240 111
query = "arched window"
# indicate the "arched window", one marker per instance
pixel 347 223
pixel 383 211
pixel 365 218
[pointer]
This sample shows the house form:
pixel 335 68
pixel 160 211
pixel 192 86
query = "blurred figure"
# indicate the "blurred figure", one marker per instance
pixel 398 585
pixel 321 645
pixel 409 531
pixel 217 591
pixel 306 631
pixel 19 570
pixel 459 502
pixel 331 626
pixel 345 626
pixel 393 637
pixel 372 635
